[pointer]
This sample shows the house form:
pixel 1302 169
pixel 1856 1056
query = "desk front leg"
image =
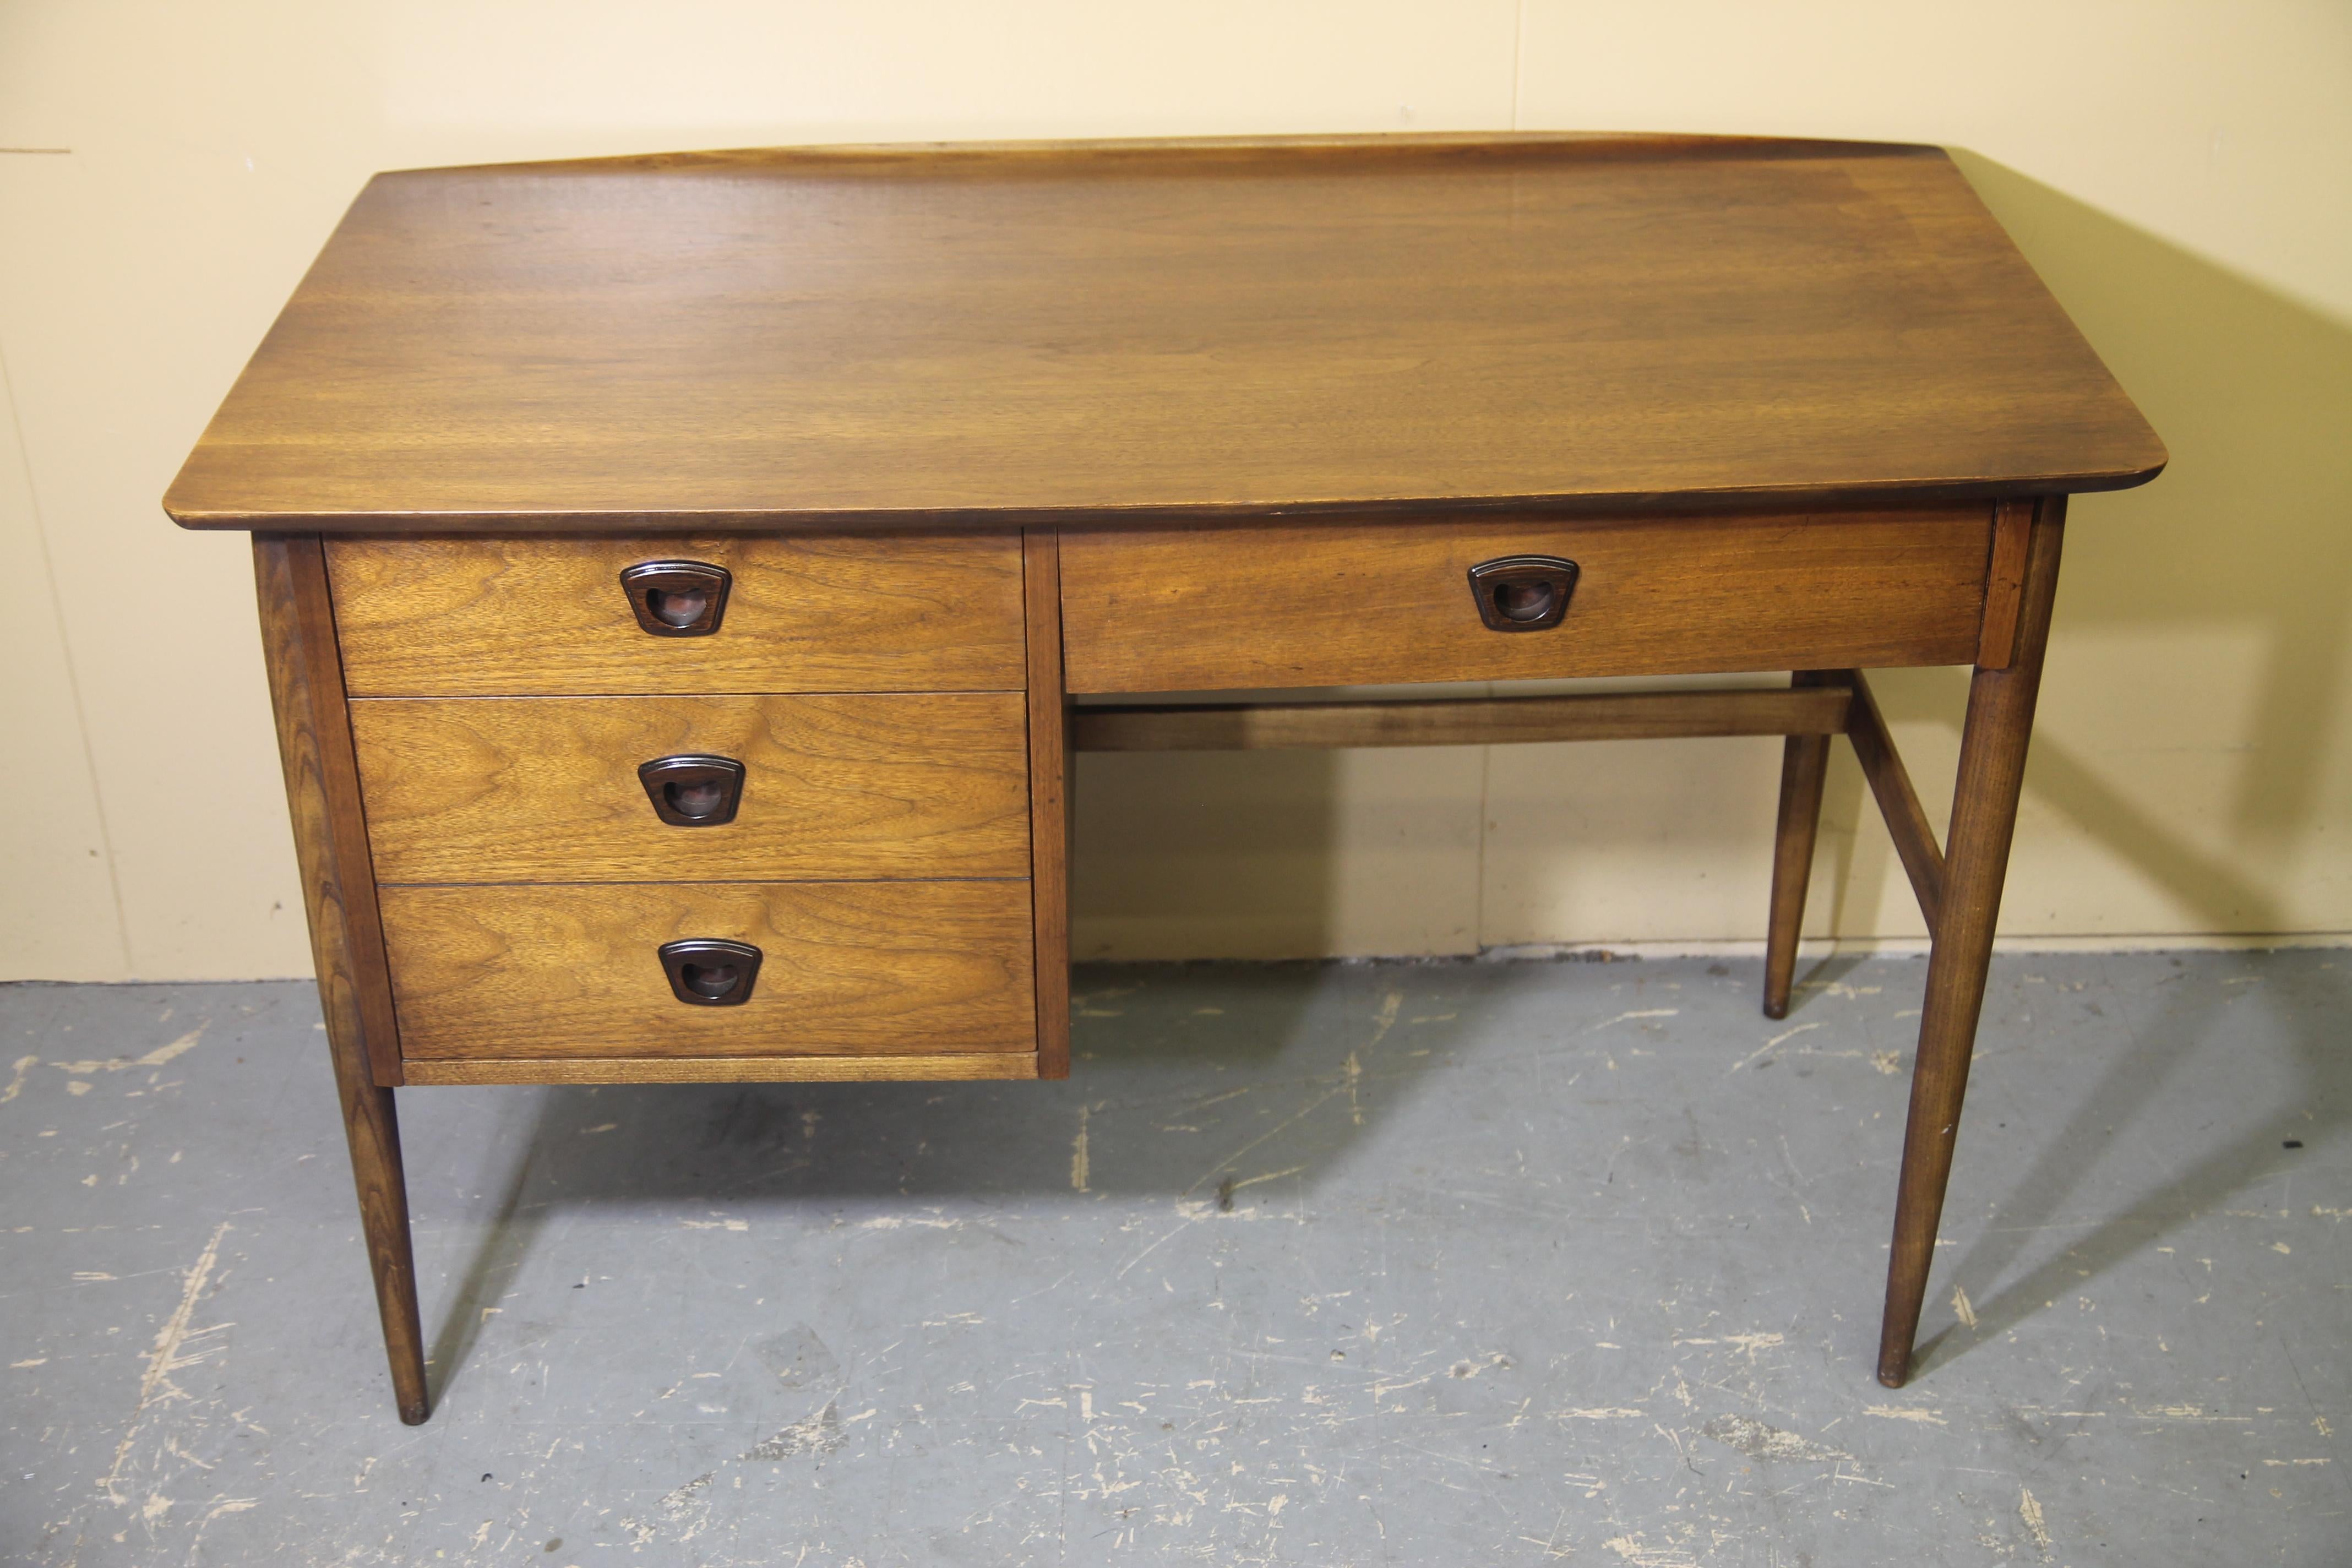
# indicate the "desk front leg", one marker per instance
pixel 314 740
pixel 1984 818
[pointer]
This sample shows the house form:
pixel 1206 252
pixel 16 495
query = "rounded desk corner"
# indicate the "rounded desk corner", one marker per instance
pixel 2138 466
pixel 196 519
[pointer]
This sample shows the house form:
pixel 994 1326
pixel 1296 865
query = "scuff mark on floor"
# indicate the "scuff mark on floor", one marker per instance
pixel 820 1434
pixel 685 1510
pixel 1628 1017
pixel 1639 1554
pixel 2030 1510
pixel 1783 1037
pixel 155 1059
pixel 2187 1413
pixel 1751 1344
pixel 909 1222
pixel 157 1387
pixel 1759 1441
pixel 1906 1413
pixel 16 1083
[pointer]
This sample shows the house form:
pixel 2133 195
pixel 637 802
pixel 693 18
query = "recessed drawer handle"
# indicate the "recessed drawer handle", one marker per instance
pixel 677 598
pixel 693 791
pixel 707 972
pixel 1522 592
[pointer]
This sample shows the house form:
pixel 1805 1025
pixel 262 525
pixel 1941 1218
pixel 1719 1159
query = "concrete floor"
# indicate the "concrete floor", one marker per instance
pixel 1442 1263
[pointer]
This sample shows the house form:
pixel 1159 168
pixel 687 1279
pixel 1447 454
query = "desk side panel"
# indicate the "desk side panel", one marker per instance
pixel 322 792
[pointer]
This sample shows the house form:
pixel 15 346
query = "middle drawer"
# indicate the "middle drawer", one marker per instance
pixel 549 789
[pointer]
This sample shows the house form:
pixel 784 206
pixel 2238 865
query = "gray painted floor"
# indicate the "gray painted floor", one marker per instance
pixel 1443 1263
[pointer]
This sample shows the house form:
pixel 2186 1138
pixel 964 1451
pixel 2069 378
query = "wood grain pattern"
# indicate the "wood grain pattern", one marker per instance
pixel 1049 806
pixel 297 640
pixel 889 968
pixel 496 617
pixel 2012 526
pixel 1984 817
pixel 1202 609
pixel 951 1067
pixel 1898 801
pixel 797 339
pixel 1457 721
pixel 544 789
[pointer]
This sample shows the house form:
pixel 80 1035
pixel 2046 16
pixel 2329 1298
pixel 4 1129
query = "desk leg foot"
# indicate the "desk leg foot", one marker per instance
pixel 374 1132
pixel 1984 817
pixel 1804 766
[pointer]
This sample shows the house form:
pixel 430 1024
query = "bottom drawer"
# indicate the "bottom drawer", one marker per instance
pixel 843 968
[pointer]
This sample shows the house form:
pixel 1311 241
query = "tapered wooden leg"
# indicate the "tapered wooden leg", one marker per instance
pixel 1804 766
pixel 374 1134
pixel 1976 859
pixel 314 742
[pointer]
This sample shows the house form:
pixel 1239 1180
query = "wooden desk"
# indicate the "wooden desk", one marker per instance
pixel 676 572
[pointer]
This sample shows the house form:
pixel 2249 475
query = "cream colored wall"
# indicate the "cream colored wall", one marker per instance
pixel 2180 172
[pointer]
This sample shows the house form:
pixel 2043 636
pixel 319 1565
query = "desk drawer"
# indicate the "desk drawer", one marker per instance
pixel 843 968
pixel 1196 609
pixel 547 789
pixel 438 616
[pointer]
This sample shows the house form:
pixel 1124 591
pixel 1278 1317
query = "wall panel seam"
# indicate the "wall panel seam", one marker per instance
pixel 73 676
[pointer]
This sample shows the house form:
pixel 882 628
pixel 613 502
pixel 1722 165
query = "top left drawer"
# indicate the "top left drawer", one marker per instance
pixel 550 616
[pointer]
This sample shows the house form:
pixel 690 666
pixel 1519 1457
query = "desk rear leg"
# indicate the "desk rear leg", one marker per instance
pixel 1984 818
pixel 1804 766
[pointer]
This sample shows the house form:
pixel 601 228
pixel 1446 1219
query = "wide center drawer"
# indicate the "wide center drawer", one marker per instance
pixel 586 789
pixel 843 967
pixel 553 616
pixel 1320 604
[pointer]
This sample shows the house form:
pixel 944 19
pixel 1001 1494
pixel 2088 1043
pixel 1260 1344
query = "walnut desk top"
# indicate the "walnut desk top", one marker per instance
pixel 677 573
pixel 1076 333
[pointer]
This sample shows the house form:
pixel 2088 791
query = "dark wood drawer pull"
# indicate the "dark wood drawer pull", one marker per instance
pixel 1522 592
pixel 693 791
pixel 705 971
pixel 677 598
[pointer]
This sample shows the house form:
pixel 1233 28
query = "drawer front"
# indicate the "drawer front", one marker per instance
pixel 434 616
pixel 1196 609
pixel 547 789
pixel 844 968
